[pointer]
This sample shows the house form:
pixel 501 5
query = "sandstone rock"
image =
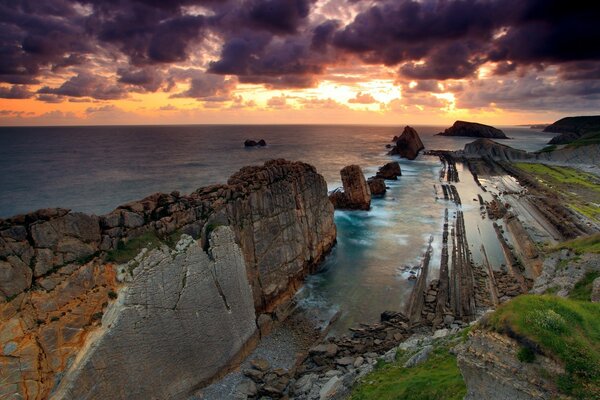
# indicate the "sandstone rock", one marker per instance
pixel 356 194
pixel 377 186
pixel 260 364
pixel 15 277
pixel 489 365
pixel 329 349
pixel 390 171
pixel 344 361
pixel 330 389
pixel 419 358
pixel 209 297
pixel 408 144
pixel 246 388
pixel 305 383
pixel 473 129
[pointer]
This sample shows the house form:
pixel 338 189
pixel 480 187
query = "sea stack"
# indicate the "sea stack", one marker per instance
pixel 377 186
pixel 408 144
pixel 390 171
pixel 473 129
pixel 356 194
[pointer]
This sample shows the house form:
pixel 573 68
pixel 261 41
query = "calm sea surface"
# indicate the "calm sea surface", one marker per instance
pixel 94 169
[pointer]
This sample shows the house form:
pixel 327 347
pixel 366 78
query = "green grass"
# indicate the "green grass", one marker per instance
pixel 436 378
pixel 586 140
pixel 581 245
pixel 561 175
pixel 548 149
pixel 583 289
pixel 566 330
pixel 127 251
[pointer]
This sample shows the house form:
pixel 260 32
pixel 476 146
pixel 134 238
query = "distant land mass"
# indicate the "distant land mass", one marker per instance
pixel 473 129
pixel 573 129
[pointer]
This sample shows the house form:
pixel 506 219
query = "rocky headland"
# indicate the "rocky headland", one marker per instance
pixel 171 284
pixel 473 129
pixel 408 144
pixel 571 129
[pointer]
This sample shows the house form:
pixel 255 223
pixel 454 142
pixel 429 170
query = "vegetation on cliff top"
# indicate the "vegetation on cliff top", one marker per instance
pixel 436 378
pixel 126 251
pixel 567 330
pixel 581 245
pixel 578 190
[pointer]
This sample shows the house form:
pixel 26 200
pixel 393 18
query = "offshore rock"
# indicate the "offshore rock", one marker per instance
pixel 408 144
pixel 356 194
pixel 253 143
pixel 473 129
pixel 390 171
pixel 377 186
pixel 181 320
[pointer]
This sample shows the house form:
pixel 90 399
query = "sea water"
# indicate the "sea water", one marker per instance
pixel 94 169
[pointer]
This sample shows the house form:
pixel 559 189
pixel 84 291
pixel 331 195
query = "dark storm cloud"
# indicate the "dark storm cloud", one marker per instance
pixel 285 43
pixel 85 84
pixel 454 37
pixel 15 92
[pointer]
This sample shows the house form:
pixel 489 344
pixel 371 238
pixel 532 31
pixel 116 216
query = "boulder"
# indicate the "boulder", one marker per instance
pixel 390 171
pixel 377 186
pixel 356 194
pixel 408 144
pixel 473 129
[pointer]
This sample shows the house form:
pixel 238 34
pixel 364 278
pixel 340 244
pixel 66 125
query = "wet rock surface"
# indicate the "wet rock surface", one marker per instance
pixel 356 194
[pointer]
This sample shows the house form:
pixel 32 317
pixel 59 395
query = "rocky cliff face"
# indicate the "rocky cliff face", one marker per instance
pixel 473 129
pixel 186 314
pixel 583 155
pixel 489 364
pixel 408 144
pixel 56 281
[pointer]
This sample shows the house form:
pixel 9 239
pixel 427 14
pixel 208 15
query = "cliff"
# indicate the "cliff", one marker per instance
pixel 408 144
pixel 584 155
pixel 572 128
pixel 473 129
pixel 62 270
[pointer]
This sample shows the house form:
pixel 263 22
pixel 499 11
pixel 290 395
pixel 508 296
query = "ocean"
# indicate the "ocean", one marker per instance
pixel 94 169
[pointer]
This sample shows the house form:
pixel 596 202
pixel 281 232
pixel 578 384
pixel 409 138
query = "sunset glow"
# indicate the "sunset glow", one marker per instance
pixel 277 61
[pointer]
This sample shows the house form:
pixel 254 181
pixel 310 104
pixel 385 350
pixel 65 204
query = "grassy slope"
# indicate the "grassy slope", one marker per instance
pixel 587 139
pixel 436 378
pixel 579 190
pixel 583 289
pixel 127 251
pixel 585 244
pixel 567 330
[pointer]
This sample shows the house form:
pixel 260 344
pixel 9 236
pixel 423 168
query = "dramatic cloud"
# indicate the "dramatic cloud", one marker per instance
pixel 65 50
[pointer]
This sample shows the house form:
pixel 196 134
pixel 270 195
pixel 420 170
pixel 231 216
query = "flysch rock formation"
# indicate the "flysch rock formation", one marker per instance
pixel 56 281
pixel 408 144
pixel 473 129
pixel 583 155
pixel 356 194
pixel 186 314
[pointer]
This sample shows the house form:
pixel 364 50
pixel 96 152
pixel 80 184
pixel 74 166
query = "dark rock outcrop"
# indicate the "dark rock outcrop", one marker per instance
pixel 473 129
pixel 280 221
pixel 253 143
pixel 497 151
pixel 390 171
pixel 356 194
pixel 408 144
pixel 377 186
pixel 573 128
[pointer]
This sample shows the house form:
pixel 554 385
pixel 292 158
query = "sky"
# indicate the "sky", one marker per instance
pixel 93 62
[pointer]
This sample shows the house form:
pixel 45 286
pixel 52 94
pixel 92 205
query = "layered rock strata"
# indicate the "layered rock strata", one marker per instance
pixel 57 278
pixel 356 194
pixel 408 144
